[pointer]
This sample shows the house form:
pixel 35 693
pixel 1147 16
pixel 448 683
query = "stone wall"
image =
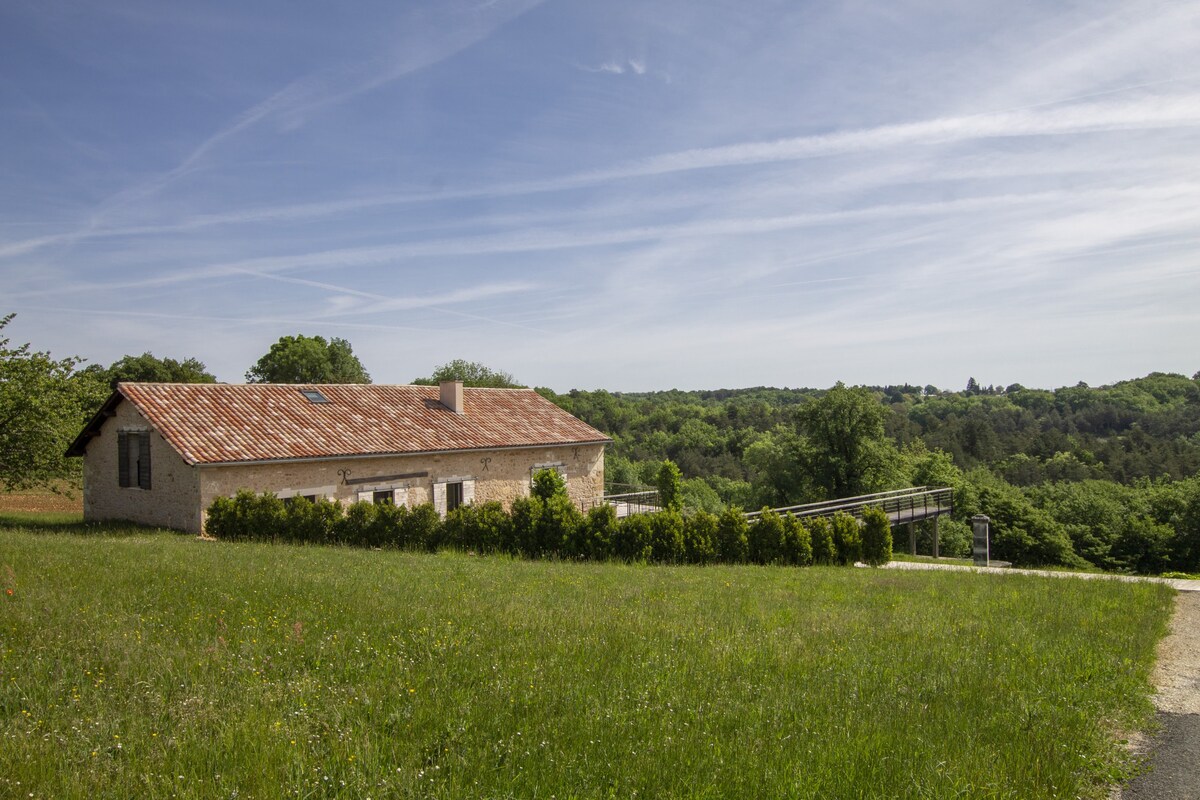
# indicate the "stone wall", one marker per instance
pixel 501 475
pixel 173 499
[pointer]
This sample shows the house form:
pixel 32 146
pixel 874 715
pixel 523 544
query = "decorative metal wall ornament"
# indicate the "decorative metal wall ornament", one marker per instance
pixel 485 461
pixel 575 452
pixel 345 474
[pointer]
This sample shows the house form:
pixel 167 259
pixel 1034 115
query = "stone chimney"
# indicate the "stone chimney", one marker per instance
pixel 452 396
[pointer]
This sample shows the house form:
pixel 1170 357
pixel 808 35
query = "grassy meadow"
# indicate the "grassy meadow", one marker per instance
pixel 151 664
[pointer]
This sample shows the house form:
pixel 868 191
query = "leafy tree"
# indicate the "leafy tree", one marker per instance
pixel 308 359
pixel 849 454
pixel 44 403
pixel 668 484
pixel 779 463
pixel 471 373
pixel 149 368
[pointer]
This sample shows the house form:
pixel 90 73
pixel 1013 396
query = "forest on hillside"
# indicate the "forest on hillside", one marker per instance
pixel 1078 476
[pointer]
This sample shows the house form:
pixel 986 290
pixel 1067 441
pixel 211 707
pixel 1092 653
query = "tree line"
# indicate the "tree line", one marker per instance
pixel 1077 476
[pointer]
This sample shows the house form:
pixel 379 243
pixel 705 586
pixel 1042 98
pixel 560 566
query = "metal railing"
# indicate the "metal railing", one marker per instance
pixel 640 501
pixel 901 505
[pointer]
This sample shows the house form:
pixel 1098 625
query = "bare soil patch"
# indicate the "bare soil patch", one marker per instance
pixel 43 500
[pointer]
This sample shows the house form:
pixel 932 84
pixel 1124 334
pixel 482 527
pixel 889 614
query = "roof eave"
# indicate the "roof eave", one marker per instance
pixel 91 430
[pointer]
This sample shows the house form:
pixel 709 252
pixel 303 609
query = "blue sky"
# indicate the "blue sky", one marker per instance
pixel 620 195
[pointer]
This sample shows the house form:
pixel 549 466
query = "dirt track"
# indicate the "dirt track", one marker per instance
pixel 1174 752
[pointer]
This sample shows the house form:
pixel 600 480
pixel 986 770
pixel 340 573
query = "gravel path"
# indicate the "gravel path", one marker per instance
pixel 1173 754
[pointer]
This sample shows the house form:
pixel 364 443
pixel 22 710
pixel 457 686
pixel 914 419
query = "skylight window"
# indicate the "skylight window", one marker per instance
pixel 314 396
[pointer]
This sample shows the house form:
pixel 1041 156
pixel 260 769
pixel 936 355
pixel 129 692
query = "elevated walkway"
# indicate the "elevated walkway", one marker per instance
pixel 901 505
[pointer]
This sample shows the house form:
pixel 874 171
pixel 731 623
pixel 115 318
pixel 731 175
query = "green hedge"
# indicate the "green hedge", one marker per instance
pixel 548 525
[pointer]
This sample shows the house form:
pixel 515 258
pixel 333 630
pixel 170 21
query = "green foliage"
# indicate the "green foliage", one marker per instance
pixel 847 538
pixel 849 454
pixel 526 513
pixel 666 537
pixel 876 537
pixel 1020 532
pixel 44 404
pixel 308 359
pixel 471 373
pixel 797 543
pixel 668 483
pixel 700 538
pixel 479 528
pixel 632 539
pixel 765 539
pixel 733 544
pixel 820 530
pixel 149 368
pixel 697 494
pixel 779 465
pixel 548 483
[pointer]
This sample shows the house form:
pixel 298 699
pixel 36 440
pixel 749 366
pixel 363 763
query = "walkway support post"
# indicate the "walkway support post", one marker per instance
pixel 912 538
pixel 935 535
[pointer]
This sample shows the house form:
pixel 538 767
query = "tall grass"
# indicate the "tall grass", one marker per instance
pixel 154 665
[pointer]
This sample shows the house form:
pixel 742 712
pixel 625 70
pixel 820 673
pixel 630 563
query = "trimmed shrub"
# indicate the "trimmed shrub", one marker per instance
pixel 595 536
pixel 765 538
pixel 557 524
pixel 876 537
pixel 732 544
pixel 421 528
pixel 700 538
pixel 847 539
pixel 631 541
pixel 307 522
pixel 548 483
pixel 821 533
pixel 797 543
pixel 525 513
pixel 666 537
pixel 355 527
pixel 221 522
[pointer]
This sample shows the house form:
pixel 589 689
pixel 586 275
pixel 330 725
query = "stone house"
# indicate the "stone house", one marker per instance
pixel 159 453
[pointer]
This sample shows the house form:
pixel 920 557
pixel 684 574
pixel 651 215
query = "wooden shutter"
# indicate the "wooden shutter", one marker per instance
pixel 468 492
pixel 439 498
pixel 123 458
pixel 366 497
pixel 400 497
pixel 144 459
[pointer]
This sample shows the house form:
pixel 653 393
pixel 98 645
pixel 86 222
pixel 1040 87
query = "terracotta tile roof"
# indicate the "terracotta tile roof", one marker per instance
pixel 222 423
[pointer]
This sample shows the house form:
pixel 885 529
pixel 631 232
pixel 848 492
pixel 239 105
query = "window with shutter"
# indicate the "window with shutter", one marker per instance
pixel 143 470
pixel 123 459
pixel 133 459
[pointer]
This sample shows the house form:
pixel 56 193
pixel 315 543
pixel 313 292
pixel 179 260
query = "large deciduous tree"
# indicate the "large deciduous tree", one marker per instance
pixel 471 373
pixel 849 454
pixel 44 403
pixel 308 359
pixel 150 368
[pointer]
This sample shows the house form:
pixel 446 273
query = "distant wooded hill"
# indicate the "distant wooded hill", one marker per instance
pixel 1040 450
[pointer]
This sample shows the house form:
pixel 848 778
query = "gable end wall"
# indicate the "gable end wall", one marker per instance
pixel 173 499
